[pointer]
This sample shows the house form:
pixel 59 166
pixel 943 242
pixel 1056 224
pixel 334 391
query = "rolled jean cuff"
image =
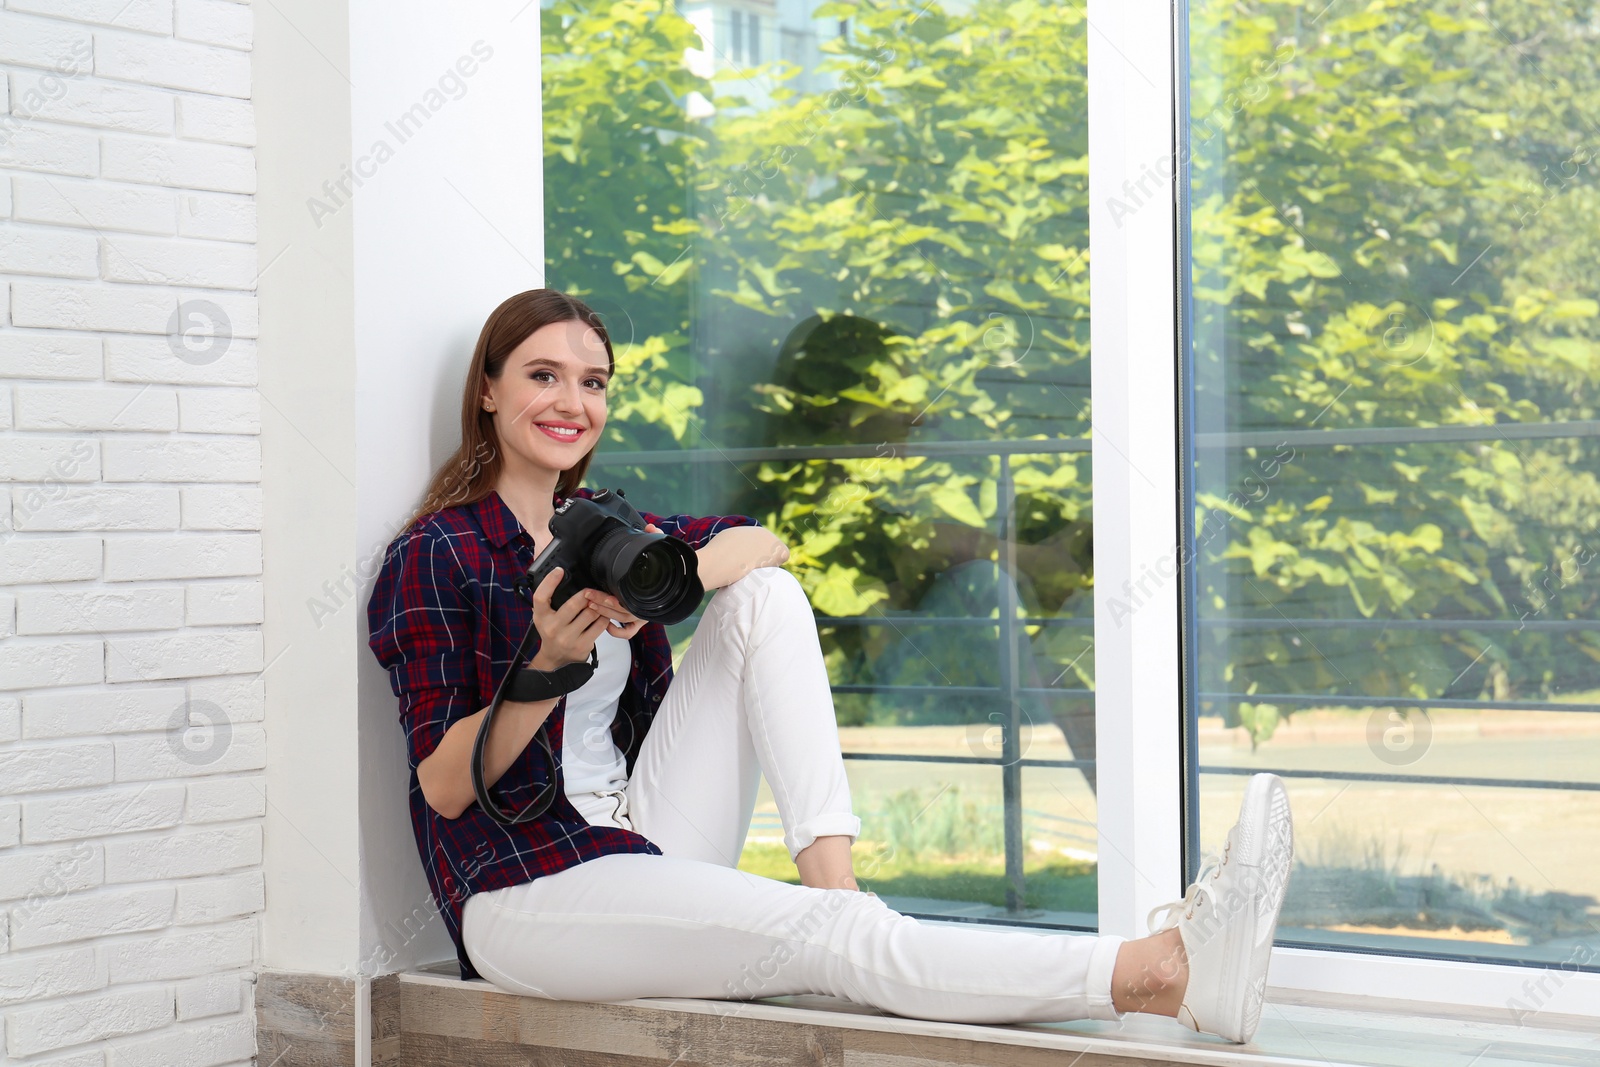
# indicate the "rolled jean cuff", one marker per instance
pixel 1097 983
pixel 801 837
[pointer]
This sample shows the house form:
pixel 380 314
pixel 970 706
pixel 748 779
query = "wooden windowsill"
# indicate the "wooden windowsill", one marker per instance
pixel 448 1021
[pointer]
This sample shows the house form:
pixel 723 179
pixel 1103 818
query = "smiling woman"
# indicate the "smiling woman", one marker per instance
pixel 548 405
pixel 542 358
pixel 622 881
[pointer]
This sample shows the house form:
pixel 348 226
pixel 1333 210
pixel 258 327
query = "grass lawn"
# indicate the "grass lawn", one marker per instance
pixel 1054 882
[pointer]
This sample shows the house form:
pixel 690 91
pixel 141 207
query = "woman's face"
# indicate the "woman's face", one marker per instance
pixel 555 379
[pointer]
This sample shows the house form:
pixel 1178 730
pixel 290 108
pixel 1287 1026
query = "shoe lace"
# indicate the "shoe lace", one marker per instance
pixel 1210 871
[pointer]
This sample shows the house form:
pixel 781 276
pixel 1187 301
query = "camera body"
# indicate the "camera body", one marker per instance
pixel 601 543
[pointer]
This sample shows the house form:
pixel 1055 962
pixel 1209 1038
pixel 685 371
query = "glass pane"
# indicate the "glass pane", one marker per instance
pixel 932 836
pixel 1061 822
pixel 1396 493
pixel 840 250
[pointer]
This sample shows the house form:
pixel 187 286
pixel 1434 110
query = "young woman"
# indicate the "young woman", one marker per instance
pixel 627 886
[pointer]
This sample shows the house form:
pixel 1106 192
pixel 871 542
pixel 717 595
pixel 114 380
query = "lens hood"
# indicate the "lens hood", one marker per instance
pixel 602 543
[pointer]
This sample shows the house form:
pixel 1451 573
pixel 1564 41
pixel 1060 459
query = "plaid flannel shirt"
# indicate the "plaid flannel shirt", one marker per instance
pixel 445 621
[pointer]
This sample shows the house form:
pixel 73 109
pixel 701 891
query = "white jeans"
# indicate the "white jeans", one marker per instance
pixel 752 696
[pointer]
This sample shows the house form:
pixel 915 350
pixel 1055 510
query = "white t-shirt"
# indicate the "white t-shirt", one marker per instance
pixel 591 762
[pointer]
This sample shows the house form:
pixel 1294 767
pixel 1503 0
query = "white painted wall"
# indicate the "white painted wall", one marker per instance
pixel 389 241
pixel 302 94
pixel 448 228
pixel 131 738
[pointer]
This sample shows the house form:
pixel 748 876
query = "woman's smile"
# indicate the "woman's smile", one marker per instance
pixel 560 431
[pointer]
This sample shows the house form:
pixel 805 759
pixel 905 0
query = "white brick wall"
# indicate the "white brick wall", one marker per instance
pixel 131 740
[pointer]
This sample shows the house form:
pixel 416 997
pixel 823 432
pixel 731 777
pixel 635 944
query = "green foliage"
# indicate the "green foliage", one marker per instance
pixel 1392 215
pixel 1347 175
pixel 618 152
pixel 1054 883
pixel 934 842
pixel 1259 720
pixel 924 225
pixel 946 824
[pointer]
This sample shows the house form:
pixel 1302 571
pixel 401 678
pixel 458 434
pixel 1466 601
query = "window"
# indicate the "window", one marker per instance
pixel 1343 452
pixel 858 309
pixel 744 42
pixel 1396 354
pixel 794 46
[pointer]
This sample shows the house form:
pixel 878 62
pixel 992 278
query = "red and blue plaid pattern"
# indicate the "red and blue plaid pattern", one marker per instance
pixel 445 622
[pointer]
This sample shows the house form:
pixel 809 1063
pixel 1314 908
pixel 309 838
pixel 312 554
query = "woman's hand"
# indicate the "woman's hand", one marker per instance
pixel 566 634
pixel 627 624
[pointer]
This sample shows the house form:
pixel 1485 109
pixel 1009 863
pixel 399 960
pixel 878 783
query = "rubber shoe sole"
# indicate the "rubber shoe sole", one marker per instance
pixel 1229 914
pixel 1264 853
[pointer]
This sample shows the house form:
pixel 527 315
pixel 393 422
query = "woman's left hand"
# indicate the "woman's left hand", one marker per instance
pixel 625 623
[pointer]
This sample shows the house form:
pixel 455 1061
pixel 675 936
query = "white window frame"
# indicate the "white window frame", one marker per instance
pixel 1137 67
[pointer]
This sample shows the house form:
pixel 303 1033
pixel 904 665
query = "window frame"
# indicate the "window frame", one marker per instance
pixel 1133 390
pixel 1138 102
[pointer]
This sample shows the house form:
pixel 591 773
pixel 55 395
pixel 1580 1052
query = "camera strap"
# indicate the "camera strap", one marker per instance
pixel 527 685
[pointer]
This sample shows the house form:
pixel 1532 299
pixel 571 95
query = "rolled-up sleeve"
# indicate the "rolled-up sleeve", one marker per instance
pixel 696 530
pixel 421 622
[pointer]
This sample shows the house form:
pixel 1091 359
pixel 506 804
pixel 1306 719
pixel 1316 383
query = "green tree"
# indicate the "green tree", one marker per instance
pixel 926 225
pixel 1346 174
pixel 619 151
pixel 903 259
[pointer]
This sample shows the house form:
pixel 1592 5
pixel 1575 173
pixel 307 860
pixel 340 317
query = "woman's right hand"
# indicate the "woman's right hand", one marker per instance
pixel 568 633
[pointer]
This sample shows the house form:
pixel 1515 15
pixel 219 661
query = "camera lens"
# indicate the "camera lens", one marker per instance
pixel 651 572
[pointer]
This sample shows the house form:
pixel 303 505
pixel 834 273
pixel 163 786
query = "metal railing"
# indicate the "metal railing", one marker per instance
pixel 1011 761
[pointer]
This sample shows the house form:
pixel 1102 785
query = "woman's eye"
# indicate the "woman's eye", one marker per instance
pixel 599 383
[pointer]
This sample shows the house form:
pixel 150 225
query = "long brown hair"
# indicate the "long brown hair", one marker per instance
pixel 473 469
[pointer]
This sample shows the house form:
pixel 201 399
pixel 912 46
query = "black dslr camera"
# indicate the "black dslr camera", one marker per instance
pixel 602 543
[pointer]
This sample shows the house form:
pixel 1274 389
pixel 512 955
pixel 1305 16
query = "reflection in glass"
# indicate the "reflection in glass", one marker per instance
pixel 1396 509
pixel 841 251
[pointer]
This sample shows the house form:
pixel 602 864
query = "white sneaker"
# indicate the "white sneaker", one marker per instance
pixel 1230 913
